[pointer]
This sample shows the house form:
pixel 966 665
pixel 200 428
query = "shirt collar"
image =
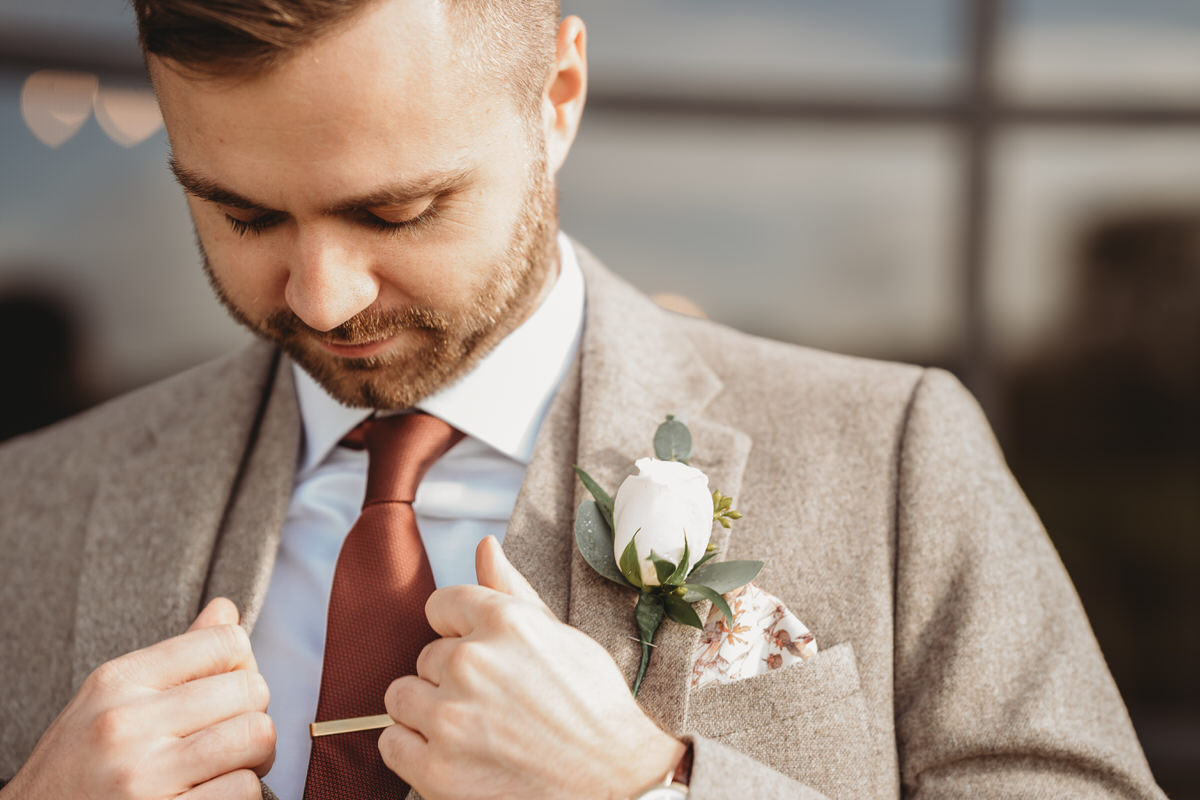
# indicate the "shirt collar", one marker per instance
pixel 501 401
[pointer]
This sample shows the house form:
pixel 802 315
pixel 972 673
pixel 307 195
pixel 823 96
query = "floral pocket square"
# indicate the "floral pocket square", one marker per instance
pixel 764 636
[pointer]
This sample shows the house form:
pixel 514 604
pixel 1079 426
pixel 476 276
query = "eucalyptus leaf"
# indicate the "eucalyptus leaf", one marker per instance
pixel 602 497
pixel 725 576
pixel 595 542
pixel 676 577
pixel 663 568
pixel 682 612
pixel 629 564
pixel 673 441
pixel 709 556
pixel 708 593
pixel 649 615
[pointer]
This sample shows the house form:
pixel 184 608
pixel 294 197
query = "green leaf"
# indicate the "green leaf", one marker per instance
pixel 673 441
pixel 663 568
pixel 602 497
pixel 676 577
pixel 629 565
pixel 595 542
pixel 725 523
pixel 648 615
pixel 725 576
pixel 708 593
pixel 682 612
pixel 708 556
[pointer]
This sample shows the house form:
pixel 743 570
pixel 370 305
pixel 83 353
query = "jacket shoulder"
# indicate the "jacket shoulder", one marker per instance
pixel 79 443
pixel 795 381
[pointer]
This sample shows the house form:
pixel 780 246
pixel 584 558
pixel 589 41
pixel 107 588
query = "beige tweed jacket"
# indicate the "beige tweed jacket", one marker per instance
pixel 956 661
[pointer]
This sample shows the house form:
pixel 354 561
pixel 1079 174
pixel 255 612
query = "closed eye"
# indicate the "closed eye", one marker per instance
pixel 257 225
pixel 381 223
pixel 373 221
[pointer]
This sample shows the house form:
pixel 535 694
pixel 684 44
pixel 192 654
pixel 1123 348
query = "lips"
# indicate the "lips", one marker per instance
pixel 358 350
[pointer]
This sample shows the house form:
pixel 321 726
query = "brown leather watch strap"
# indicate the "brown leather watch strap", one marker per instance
pixel 683 770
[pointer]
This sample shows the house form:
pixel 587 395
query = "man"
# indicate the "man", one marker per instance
pixel 372 187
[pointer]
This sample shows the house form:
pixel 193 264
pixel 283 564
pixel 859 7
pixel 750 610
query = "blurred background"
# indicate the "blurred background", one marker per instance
pixel 1009 189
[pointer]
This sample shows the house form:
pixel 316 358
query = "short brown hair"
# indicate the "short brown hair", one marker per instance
pixel 512 40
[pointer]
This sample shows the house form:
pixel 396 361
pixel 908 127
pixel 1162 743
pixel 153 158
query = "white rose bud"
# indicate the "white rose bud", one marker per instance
pixel 663 503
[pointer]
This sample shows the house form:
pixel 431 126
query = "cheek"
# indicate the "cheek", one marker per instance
pixel 456 257
pixel 242 267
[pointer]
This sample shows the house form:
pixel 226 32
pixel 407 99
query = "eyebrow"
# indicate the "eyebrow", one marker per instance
pixel 398 193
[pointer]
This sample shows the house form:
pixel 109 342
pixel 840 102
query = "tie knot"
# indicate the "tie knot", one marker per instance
pixel 400 450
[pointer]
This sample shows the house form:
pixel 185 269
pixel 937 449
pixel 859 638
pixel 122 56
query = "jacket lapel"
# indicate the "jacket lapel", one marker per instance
pixel 244 553
pixel 637 367
pixel 545 504
pixel 153 536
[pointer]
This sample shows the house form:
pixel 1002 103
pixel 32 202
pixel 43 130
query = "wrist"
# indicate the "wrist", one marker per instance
pixel 671 779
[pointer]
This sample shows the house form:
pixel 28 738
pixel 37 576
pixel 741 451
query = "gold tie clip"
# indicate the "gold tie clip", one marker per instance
pixel 351 725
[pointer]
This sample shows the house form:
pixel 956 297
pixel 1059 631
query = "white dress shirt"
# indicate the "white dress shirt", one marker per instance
pixel 467 494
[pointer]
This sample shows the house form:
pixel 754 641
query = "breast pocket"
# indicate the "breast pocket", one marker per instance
pixel 807 720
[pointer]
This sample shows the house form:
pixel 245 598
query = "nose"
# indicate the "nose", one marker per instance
pixel 329 281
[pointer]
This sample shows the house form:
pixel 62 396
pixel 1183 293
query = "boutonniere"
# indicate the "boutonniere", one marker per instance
pixel 654 538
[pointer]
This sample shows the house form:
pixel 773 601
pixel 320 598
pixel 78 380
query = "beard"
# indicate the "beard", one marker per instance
pixel 433 347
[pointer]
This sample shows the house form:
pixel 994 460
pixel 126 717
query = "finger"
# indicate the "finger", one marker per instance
pixel 195 705
pixel 431 661
pixel 246 741
pixel 240 784
pixel 493 570
pixel 192 655
pixel 404 751
pixel 410 701
pixel 219 611
pixel 458 610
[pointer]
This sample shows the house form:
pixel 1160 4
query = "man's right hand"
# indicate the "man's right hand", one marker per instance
pixel 185 718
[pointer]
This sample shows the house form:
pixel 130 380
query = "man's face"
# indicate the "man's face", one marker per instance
pixel 368 204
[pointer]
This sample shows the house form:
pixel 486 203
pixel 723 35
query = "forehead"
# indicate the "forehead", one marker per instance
pixel 388 93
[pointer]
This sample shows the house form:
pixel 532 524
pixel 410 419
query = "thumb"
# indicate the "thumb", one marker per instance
pixel 219 611
pixel 493 570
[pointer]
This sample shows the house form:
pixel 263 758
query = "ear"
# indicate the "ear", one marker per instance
pixel 566 91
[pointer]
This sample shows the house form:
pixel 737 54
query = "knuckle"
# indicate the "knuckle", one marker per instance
pixel 112 726
pixel 449 722
pixel 243 784
pixel 502 614
pixel 260 730
pixel 427 652
pixel 233 639
pixel 122 782
pixel 392 698
pixel 106 676
pixel 462 661
pixel 391 749
pixel 257 692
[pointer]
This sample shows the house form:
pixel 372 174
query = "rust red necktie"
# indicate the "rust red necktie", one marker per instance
pixel 376 625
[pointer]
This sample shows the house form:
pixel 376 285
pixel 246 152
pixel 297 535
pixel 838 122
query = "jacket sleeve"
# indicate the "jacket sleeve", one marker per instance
pixel 1000 686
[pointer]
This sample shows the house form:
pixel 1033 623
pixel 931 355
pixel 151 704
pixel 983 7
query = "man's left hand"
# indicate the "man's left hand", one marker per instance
pixel 511 703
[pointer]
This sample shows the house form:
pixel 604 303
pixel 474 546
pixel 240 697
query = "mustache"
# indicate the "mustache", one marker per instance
pixel 367 326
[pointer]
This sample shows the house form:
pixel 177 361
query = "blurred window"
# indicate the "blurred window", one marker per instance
pixel 772 48
pixel 746 218
pixel 1078 51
